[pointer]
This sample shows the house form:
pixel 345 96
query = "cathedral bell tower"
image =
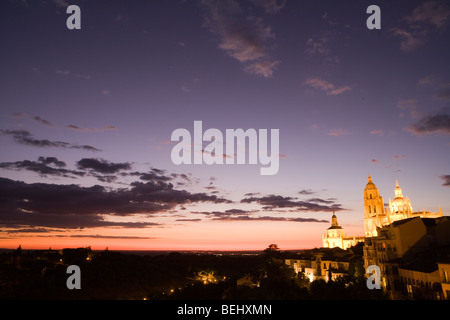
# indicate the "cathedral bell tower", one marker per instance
pixel 374 214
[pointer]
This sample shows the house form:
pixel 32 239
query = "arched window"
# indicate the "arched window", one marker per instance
pixel 370 196
pixel 374 209
pixel 370 209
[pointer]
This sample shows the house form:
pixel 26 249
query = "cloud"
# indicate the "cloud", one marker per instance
pixel 244 215
pixel 306 192
pixel 446 179
pixel 377 132
pixel 43 121
pixel 62 72
pixel 443 92
pixel 410 39
pixel 427 80
pixel 329 88
pixel 61 3
pixel 411 106
pixel 74 206
pixel 44 166
pixel 275 201
pixel 271 6
pixel 337 132
pixel 319 46
pixel 243 37
pixel 102 166
pixel 84 129
pixel 428 14
pixel 40 120
pixel 265 68
pixel 438 123
pixel 26 138
pixel 158 175
pixel 270 218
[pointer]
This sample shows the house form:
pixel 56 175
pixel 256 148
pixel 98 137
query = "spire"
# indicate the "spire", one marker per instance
pixel 370 179
pixel 334 222
pixel 398 190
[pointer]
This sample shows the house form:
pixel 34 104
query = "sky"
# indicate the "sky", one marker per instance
pixel 87 117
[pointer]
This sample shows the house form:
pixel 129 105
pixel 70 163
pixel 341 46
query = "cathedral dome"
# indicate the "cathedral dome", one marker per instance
pixel 400 204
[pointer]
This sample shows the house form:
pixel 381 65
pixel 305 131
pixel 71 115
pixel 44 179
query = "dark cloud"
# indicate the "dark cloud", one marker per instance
pixel 245 215
pixel 83 129
pixel 73 206
pixel 43 121
pixel 155 175
pixel 102 166
pixel 439 123
pixel 270 218
pixel 26 138
pixel 318 200
pixel 275 201
pixel 44 166
pixel 446 179
pixel 52 160
pixel 188 220
pixel 306 192
pixel 99 236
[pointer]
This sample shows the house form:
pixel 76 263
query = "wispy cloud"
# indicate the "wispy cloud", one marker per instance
pixel 26 138
pixel 319 45
pixel 443 92
pixel 419 24
pixel 85 129
pixel 377 132
pixel 243 36
pixel 410 106
pixel 329 88
pixel 338 132
pixel 38 119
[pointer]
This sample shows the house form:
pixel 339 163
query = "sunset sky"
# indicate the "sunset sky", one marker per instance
pixel 86 118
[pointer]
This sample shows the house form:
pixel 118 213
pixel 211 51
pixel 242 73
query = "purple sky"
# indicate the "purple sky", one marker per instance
pixel 88 114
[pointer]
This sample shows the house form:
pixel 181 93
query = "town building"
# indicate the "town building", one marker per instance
pixel 411 254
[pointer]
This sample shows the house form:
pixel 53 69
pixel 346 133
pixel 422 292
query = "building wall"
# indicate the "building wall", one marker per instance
pixel 444 275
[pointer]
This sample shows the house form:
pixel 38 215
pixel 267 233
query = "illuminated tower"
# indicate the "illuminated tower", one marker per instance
pixel 374 214
pixel 399 208
pixel 335 235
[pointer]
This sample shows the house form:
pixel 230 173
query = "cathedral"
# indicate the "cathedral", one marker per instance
pixel 375 216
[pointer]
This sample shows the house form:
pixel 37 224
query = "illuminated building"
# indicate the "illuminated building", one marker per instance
pixel 335 236
pixel 376 216
pixel 408 252
pixel 324 263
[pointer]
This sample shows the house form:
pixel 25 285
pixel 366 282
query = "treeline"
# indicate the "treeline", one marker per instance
pixel 113 275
